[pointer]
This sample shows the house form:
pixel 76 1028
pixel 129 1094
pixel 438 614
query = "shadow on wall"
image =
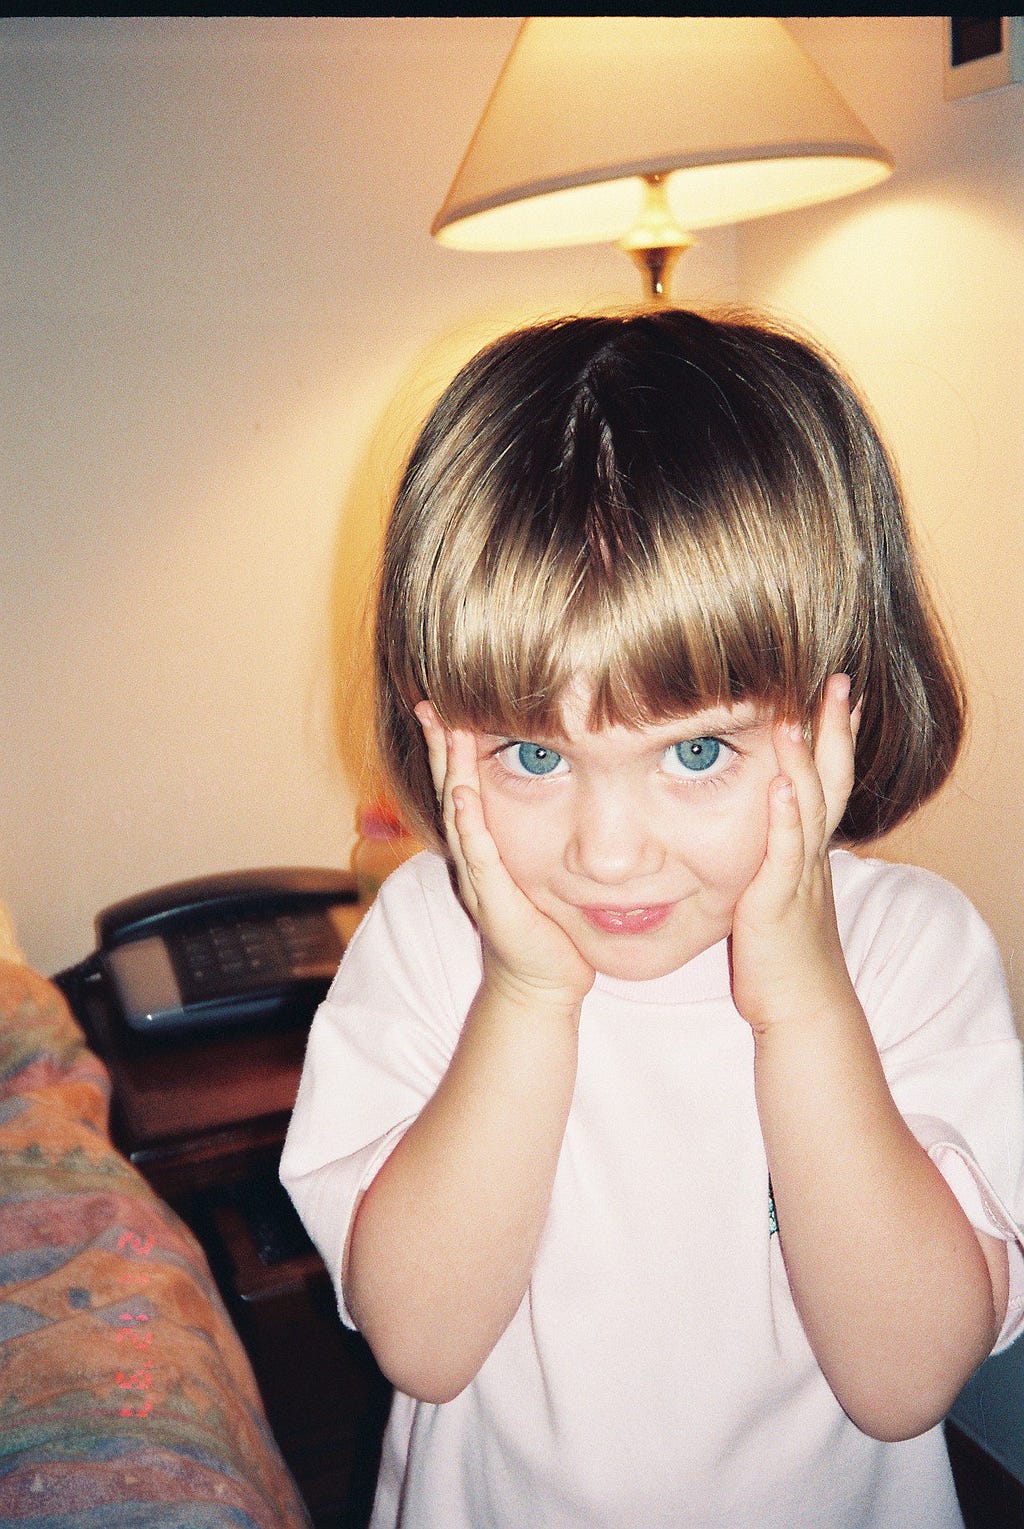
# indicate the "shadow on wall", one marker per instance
pixel 362 521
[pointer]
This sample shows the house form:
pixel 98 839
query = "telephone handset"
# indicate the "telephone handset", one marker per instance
pixel 237 948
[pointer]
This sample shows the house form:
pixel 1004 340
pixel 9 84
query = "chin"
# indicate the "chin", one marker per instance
pixel 643 959
pixel 638 965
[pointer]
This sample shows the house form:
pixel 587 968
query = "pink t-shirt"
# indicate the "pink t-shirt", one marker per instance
pixel 656 1373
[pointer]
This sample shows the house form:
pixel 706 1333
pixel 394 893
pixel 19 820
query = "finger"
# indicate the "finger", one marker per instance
pixel 835 748
pixel 461 781
pixel 784 823
pixel 488 890
pixel 440 747
pixel 783 864
pixel 462 766
pixel 798 763
pixel 479 850
pixel 437 748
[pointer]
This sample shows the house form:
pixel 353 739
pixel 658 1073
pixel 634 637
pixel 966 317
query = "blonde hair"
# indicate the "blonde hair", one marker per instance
pixel 679 511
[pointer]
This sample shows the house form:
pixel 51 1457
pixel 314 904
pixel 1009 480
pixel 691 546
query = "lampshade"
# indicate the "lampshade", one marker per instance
pixel 726 115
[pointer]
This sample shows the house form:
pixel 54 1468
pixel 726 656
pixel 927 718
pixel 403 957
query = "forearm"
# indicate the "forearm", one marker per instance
pixel 444 1239
pixel 893 1289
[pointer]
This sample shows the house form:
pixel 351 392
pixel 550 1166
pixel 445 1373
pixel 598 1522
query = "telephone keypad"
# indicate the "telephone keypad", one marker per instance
pixel 234 956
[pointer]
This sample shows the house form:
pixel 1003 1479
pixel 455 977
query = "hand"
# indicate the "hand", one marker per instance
pixel 525 952
pixel 787 959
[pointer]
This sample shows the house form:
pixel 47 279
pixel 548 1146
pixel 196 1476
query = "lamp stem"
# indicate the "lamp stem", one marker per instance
pixel 656 264
pixel 656 241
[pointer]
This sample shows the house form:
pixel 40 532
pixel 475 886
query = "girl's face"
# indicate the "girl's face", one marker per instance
pixel 639 842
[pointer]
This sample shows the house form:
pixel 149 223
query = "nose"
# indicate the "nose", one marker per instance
pixel 613 838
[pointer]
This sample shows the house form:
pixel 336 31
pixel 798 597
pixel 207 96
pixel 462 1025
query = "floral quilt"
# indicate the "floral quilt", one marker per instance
pixel 126 1398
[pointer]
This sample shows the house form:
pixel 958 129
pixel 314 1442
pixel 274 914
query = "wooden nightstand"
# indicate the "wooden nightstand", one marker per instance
pixel 203 1117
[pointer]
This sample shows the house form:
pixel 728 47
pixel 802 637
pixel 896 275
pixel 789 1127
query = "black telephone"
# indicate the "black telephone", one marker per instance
pixel 243 947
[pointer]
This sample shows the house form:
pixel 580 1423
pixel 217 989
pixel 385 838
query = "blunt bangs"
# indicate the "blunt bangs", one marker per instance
pixel 668 623
pixel 665 512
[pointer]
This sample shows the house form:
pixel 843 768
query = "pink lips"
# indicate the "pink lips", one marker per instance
pixel 628 920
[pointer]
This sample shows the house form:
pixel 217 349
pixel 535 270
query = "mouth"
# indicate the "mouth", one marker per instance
pixel 628 920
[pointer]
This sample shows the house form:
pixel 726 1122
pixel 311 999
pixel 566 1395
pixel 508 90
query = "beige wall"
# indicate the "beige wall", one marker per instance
pixel 919 288
pixel 222 308
pixel 220 301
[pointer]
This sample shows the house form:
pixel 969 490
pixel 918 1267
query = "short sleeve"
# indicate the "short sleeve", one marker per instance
pixel 929 975
pixel 378 1048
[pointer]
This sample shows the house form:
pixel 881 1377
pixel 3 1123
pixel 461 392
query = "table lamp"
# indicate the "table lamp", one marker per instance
pixel 640 130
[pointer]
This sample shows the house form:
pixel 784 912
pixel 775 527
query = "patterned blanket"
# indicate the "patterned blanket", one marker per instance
pixel 126 1398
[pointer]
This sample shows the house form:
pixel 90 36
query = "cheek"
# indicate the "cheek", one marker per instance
pixel 749 839
pixel 725 843
pixel 522 835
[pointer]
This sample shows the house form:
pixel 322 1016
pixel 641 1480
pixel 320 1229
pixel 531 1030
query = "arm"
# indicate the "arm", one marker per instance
pixel 444 1239
pixel 900 1298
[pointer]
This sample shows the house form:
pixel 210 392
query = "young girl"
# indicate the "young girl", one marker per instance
pixel 666 1156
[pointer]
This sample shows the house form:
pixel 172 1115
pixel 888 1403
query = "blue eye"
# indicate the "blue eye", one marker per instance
pixel 696 755
pixel 534 759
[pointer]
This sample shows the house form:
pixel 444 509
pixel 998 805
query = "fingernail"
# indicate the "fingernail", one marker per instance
pixel 784 789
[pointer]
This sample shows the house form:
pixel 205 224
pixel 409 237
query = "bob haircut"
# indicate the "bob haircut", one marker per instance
pixel 676 511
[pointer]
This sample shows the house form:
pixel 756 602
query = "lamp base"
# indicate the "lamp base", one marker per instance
pixel 656 264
